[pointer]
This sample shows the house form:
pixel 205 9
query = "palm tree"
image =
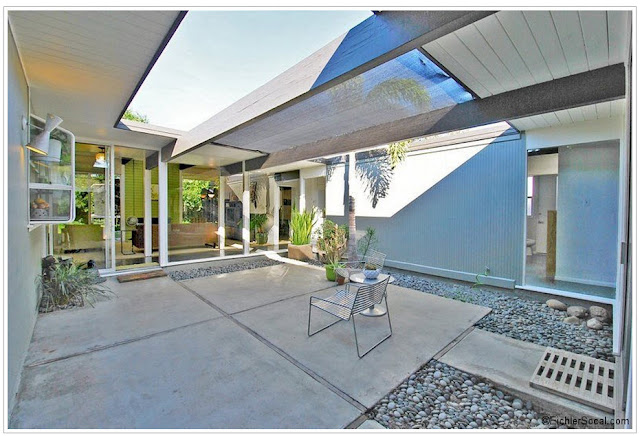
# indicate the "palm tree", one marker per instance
pixel 392 94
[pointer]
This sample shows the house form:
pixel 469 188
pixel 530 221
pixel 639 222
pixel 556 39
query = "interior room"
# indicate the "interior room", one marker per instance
pixel 572 217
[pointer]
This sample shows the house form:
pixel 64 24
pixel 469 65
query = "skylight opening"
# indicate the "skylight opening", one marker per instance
pixel 217 57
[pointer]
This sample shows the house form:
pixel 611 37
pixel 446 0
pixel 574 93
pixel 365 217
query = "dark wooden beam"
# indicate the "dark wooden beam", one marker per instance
pixel 604 84
pixel 380 38
pixel 151 161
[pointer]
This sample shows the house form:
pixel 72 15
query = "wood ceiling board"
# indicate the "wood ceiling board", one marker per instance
pixel 546 36
pixel 516 27
pixel 493 32
pixel 567 24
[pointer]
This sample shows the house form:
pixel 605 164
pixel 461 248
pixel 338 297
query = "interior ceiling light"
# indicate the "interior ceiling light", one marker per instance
pixel 100 160
pixel 40 143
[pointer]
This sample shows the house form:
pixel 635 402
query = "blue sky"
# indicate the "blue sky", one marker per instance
pixel 217 57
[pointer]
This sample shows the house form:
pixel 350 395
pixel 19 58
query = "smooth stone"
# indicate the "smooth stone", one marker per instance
pixel 411 391
pixel 442 416
pixel 391 405
pixel 577 311
pixel 556 304
pixel 572 320
pixel 599 313
pixel 437 374
pixel 594 324
pixel 517 404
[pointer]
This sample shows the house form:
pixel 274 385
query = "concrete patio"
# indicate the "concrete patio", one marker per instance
pixel 225 351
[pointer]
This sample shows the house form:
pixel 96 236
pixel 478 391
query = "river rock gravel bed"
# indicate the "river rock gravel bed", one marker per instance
pixel 520 318
pixel 438 396
pixel 194 273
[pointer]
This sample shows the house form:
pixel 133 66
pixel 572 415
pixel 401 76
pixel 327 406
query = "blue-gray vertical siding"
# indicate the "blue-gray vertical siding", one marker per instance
pixel 470 220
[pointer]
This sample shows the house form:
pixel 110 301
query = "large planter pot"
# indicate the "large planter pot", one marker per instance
pixel 261 238
pixel 330 272
pixel 300 252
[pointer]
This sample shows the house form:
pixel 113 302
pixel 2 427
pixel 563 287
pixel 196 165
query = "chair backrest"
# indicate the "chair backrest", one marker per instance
pixel 369 295
pixel 375 258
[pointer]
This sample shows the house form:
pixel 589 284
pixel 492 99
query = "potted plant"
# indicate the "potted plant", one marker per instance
pixel 332 241
pixel 370 271
pixel 330 271
pixel 256 225
pixel 302 223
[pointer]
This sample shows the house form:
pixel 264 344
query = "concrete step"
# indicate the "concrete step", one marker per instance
pixel 509 364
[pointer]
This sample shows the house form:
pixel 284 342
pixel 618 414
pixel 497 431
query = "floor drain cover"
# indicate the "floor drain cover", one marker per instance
pixel 577 377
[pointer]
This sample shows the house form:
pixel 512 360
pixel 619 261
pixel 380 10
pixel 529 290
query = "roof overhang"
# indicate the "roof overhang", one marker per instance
pixel 489 54
pixel 379 39
pixel 86 66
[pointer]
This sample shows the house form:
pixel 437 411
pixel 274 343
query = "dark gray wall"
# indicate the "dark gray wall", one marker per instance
pixel 471 219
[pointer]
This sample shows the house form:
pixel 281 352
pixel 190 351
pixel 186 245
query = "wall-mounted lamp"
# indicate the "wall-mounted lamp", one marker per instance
pixel 41 143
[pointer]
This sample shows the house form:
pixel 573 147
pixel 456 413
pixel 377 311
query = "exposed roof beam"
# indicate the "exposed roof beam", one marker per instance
pixel 604 84
pixel 380 38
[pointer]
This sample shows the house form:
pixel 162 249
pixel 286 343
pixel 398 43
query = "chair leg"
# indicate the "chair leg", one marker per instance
pixel 355 333
pixel 309 322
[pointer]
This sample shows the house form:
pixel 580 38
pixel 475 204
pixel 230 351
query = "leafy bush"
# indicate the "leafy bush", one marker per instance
pixel 332 239
pixel 69 285
pixel 257 222
pixel 302 223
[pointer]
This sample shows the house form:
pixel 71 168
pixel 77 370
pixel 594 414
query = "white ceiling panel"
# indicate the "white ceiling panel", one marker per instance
pixel 513 49
pixel 84 65
pixel 609 109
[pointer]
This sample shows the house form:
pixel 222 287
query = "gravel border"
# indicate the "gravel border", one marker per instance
pixel 518 317
pixel 438 396
pixel 194 273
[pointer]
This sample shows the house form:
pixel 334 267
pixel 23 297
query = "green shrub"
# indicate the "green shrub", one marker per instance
pixel 332 239
pixel 302 223
pixel 69 285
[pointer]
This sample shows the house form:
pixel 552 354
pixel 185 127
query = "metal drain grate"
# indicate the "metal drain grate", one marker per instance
pixel 577 377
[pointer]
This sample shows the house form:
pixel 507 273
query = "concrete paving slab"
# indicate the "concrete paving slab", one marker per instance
pixel 370 424
pixel 510 363
pixel 211 375
pixel 242 290
pixel 423 324
pixel 137 310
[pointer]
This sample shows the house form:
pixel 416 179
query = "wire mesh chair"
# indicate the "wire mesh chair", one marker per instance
pixel 347 303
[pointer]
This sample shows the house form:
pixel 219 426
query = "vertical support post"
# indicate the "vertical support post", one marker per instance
pixel 148 244
pixel 246 210
pixel 163 213
pixel 274 193
pixel 221 213
pixel 302 197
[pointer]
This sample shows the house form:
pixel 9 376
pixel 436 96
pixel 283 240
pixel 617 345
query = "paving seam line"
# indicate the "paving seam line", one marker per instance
pixel 357 422
pixel 281 300
pixel 453 343
pixel 317 377
pixel 116 344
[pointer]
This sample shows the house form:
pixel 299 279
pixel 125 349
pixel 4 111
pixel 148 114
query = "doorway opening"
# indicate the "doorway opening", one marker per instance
pixel 572 219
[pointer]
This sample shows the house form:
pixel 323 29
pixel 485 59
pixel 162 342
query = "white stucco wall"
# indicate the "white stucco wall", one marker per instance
pixel 23 248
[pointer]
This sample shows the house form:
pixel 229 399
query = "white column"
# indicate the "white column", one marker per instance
pixel 221 213
pixel 246 210
pixel 148 245
pixel 302 197
pixel 274 199
pixel 163 213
